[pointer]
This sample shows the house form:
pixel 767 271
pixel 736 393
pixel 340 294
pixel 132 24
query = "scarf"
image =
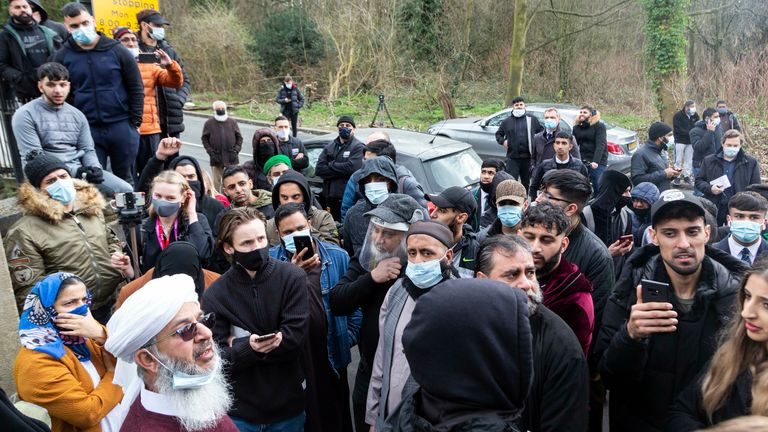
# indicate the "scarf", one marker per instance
pixel 36 328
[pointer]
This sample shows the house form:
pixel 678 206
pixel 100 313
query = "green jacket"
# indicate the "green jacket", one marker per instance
pixel 47 239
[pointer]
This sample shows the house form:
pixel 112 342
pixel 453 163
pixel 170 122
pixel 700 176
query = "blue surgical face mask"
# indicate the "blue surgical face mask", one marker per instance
pixel 185 381
pixel 376 192
pixel 288 240
pixel 716 122
pixel 691 111
pixel 157 33
pixel 424 275
pixel 670 142
pixel 63 191
pixel 731 151
pixel 550 123
pixel 722 111
pixel 746 231
pixel 84 35
pixel 510 215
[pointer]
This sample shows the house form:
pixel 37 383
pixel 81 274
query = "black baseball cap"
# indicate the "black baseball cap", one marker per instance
pixel 673 198
pixel 455 197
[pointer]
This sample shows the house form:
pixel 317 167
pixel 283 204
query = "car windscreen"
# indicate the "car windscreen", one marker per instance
pixel 457 169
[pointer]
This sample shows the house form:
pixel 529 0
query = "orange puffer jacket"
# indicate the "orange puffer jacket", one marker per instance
pixel 154 75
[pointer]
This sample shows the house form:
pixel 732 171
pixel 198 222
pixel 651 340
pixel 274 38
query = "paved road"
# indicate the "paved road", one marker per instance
pixel 193 145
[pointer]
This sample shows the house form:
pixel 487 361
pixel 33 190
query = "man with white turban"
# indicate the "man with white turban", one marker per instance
pixel 161 328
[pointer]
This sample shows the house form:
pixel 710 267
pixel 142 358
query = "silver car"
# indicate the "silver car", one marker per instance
pixel 481 133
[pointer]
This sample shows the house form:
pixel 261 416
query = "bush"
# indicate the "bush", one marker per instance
pixel 289 39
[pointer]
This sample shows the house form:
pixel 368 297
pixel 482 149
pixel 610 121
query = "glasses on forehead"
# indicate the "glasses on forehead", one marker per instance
pixel 188 331
pixel 551 197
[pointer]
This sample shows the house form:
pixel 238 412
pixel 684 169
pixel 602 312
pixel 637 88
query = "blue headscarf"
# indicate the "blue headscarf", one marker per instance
pixel 36 328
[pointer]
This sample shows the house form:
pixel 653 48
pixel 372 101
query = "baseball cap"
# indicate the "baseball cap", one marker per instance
pixel 455 197
pixel 673 198
pixel 151 16
pixel 397 212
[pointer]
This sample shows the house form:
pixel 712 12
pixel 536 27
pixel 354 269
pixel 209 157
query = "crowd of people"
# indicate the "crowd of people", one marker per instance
pixel 515 305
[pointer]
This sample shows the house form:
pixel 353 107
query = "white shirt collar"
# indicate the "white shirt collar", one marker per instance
pixel 563 162
pixel 157 403
pixel 736 248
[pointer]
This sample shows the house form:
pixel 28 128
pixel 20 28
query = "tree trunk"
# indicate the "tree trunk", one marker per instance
pixel 446 103
pixel 517 52
pixel 670 90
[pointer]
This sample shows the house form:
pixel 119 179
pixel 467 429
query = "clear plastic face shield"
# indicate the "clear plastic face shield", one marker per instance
pixel 383 240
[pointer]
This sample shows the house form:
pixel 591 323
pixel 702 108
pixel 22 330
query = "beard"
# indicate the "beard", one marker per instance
pixel 549 265
pixel 535 297
pixel 199 408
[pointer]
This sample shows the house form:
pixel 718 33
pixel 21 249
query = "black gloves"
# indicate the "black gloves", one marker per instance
pixel 92 174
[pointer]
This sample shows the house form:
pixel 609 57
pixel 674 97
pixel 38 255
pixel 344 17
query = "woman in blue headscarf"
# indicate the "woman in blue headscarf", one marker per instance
pixel 62 365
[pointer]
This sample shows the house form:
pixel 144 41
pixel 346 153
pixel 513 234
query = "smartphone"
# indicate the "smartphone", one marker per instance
pixel 626 238
pixel 269 336
pixel 302 242
pixel 148 58
pixel 130 200
pixel 655 291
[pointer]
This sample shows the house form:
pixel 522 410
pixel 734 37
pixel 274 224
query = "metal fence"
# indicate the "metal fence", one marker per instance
pixel 10 160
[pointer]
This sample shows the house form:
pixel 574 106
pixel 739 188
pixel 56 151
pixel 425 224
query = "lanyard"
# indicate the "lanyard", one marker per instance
pixel 161 239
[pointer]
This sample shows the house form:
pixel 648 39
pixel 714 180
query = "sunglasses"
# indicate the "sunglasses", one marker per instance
pixel 188 332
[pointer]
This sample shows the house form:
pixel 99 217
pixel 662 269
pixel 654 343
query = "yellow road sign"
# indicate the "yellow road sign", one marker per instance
pixel 116 13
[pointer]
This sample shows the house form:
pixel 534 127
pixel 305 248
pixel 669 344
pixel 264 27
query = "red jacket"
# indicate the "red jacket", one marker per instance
pixel 568 293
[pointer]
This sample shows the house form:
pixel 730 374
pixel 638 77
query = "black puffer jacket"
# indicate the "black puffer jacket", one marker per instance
pixel 705 142
pixel 645 377
pixel 15 65
pixel 170 101
pixel 746 171
pixel 687 414
pixel 648 165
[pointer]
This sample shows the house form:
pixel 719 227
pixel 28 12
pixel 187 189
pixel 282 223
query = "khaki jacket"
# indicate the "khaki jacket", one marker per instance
pixel 47 240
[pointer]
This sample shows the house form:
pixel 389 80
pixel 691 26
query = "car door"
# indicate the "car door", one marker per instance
pixel 482 136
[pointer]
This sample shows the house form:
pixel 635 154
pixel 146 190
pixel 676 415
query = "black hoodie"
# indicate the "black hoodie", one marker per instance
pixel 482 381
pixel 355 222
pixel 58 27
pixel 105 81
pixel 207 205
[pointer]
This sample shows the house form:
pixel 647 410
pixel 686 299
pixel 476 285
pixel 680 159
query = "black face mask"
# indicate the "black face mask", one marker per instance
pixel 221 112
pixel 24 19
pixel 266 151
pixel 642 213
pixel 624 201
pixel 196 187
pixel 486 187
pixel 254 260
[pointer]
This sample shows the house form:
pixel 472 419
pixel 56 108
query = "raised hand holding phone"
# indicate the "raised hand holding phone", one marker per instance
pixel 646 319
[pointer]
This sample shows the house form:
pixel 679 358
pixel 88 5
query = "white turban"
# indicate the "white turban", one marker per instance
pixel 139 319
pixel 146 312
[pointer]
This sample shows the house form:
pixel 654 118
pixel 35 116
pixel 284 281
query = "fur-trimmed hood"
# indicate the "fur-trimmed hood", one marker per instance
pixel 594 119
pixel 36 202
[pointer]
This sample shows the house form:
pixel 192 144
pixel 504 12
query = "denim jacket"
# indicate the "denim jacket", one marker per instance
pixel 343 331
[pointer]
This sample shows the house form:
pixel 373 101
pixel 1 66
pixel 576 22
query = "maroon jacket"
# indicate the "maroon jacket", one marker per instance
pixel 567 292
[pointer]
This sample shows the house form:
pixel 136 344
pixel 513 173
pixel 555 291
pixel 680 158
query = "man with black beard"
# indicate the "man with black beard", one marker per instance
pixel 558 398
pixel 453 207
pixel 567 292
pixel 177 383
pixel 482 193
pixel 24 45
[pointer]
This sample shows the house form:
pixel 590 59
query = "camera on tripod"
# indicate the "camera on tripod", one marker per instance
pixel 130 207
pixel 381 98
pixel 382 109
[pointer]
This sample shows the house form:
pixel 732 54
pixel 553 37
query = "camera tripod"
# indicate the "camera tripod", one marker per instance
pixel 382 108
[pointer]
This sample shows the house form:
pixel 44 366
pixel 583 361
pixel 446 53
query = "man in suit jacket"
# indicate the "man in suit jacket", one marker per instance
pixel 747 218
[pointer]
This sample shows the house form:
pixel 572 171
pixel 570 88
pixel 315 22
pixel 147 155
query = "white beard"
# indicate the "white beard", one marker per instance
pixel 199 408
pixel 535 298
pixel 221 118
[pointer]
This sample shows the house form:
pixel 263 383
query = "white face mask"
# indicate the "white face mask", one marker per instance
pixel 518 112
pixel 134 52
pixel 282 134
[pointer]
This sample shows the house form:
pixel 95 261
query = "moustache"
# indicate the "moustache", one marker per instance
pixel 685 253
pixel 199 351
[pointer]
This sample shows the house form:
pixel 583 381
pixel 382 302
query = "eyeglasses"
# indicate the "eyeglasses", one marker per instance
pixel 551 197
pixel 188 332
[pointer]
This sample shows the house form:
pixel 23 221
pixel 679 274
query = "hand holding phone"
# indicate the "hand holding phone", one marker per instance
pixel 653 311
pixel 265 343
pixel 267 336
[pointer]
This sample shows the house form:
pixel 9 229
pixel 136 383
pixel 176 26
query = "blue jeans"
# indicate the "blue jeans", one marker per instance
pixel 295 424
pixel 594 176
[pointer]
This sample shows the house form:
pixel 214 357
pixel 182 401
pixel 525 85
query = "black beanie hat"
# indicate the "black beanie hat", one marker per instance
pixel 657 130
pixel 346 119
pixel 41 164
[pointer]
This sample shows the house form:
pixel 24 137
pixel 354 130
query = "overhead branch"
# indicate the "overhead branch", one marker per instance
pixel 585 15
pixel 565 35
pixel 712 10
